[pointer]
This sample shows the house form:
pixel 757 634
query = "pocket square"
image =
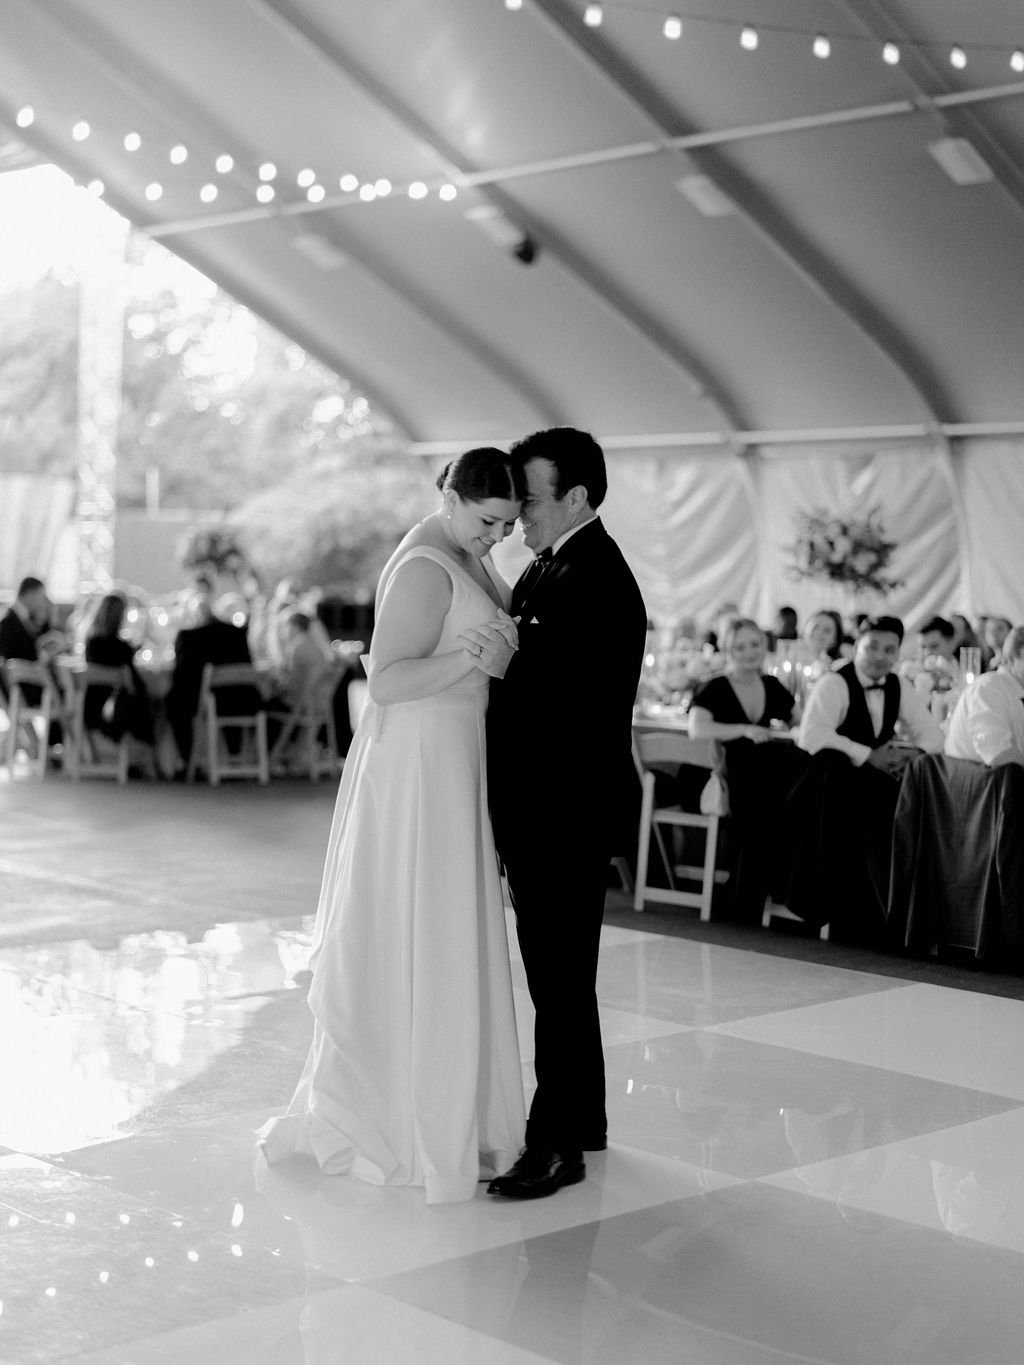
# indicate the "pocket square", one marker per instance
pixel 533 621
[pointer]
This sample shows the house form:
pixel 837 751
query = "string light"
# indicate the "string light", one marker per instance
pixel 673 27
pixel 305 178
pixel 593 15
pixel 417 190
pixel 80 131
pixel 447 192
pixel 382 187
pixel 513 4
pixel 315 193
pixel 132 142
pixel 94 187
pixel 957 58
pixel 349 183
pixel 821 47
pixel 178 155
pixel 25 116
pixel 208 194
pixel 1017 59
pixel 265 193
pixel 748 38
pixel 367 193
pixel 890 54
pixel 153 193
pixel 268 171
pixel 224 163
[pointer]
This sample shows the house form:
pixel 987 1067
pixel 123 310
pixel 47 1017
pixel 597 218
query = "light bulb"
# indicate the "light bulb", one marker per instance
pixel 153 192
pixel 890 54
pixel 25 116
pixel 96 187
pixel 315 193
pixel 593 15
pixel 367 192
pixel 208 194
pixel 265 193
pixel 382 187
pixel 268 171
pixel 957 58
pixel 673 27
pixel 305 178
pixel 80 131
pixel 132 142
pixel 178 154
pixel 822 47
pixel 349 183
pixel 1017 59
pixel 224 163
pixel 417 190
pixel 749 39
pixel 513 4
pixel 447 192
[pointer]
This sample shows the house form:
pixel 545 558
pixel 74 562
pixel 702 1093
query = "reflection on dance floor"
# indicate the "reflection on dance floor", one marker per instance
pixel 807 1163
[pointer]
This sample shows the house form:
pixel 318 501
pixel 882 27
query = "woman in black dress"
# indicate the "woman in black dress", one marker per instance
pixel 742 702
pixel 743 708
pixel 127 709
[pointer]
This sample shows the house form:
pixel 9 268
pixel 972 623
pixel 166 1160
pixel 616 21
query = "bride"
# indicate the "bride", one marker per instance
pixel 413 1077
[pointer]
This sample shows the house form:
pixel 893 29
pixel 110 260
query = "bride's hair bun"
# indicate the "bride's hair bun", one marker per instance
pixel 482 473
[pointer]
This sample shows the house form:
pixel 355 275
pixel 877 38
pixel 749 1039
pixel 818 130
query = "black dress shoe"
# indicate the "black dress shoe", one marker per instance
pixel 597 1142
pixel 539 1172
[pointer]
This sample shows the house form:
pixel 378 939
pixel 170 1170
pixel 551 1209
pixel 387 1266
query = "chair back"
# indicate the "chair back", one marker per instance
pixel 231 675
pixel 27 671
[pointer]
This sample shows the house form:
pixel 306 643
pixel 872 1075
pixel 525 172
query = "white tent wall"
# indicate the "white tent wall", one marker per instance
pixel 35 512
pixel 703 529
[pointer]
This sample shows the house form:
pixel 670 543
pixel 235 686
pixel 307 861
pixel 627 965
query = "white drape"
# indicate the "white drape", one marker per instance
pixel 34 513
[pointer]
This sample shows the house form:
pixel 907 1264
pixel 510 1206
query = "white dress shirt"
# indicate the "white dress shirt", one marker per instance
pixel 829 700
pixel 988 719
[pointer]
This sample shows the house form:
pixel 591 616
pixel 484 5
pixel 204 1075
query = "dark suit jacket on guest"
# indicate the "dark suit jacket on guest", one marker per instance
pixel 17 642
pixel 216 642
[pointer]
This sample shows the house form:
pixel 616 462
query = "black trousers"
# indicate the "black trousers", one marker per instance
pixel 558 896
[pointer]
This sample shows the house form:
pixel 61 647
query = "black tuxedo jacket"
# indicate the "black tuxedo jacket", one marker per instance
pixel 17 643
pixel 559 723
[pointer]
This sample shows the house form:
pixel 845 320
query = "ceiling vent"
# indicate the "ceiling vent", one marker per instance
pixel 961 161
pixel 705 195
pixel 319 251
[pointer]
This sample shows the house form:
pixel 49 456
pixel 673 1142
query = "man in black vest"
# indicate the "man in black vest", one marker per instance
pixel 560 783
pixel 840 813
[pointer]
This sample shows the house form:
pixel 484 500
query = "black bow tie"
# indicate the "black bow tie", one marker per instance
pixel 875 687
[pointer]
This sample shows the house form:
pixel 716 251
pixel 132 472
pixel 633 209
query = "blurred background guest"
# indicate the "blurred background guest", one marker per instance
pixel 987 724
pixel 742 702
pixel 937 639
pixel 821 642
pixel 26 633
pixel 209 641
pixel 125 710
pixel 996 630
pixel 784 627
pixel 964 635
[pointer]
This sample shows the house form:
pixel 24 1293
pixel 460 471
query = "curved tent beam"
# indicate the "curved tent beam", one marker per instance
pixel 160 98
pixel 778 235
pixel 304 31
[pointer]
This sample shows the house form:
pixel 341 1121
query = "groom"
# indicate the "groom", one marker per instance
pixel 560 779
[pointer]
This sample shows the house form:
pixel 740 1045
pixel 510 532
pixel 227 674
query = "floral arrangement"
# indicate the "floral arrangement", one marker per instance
pixel 933 674
pixel 853 551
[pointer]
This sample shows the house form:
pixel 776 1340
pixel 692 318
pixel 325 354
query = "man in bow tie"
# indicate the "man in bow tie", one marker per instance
pixel 858 709
pixel 560 778
pixel 839 815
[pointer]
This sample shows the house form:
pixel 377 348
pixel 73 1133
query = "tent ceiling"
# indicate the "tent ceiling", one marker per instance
pixel 852 288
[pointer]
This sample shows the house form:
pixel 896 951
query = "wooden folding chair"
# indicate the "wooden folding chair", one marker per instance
pixel 86 754
pixel 657 751
pixel 309 725
pixel 28 727
pixel 211 723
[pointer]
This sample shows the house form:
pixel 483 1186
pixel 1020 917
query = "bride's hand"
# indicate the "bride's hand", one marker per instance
pixel 489 647
pixel 508 627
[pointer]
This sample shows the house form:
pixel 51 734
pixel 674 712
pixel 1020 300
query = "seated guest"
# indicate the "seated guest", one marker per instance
pixel 784 626
pixel 738 707
pixel 128 710
pixel 208 642
pixel 937 638
pixel 742 702
pixel 996 630
pixel 25 633
pixel 821 642
pixel 988 722
pixel 964 636
pixel 303 658
pixel 840 813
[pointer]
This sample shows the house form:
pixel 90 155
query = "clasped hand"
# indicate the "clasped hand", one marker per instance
pixel 491 646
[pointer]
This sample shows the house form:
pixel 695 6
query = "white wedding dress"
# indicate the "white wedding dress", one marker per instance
pixel 413 1077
